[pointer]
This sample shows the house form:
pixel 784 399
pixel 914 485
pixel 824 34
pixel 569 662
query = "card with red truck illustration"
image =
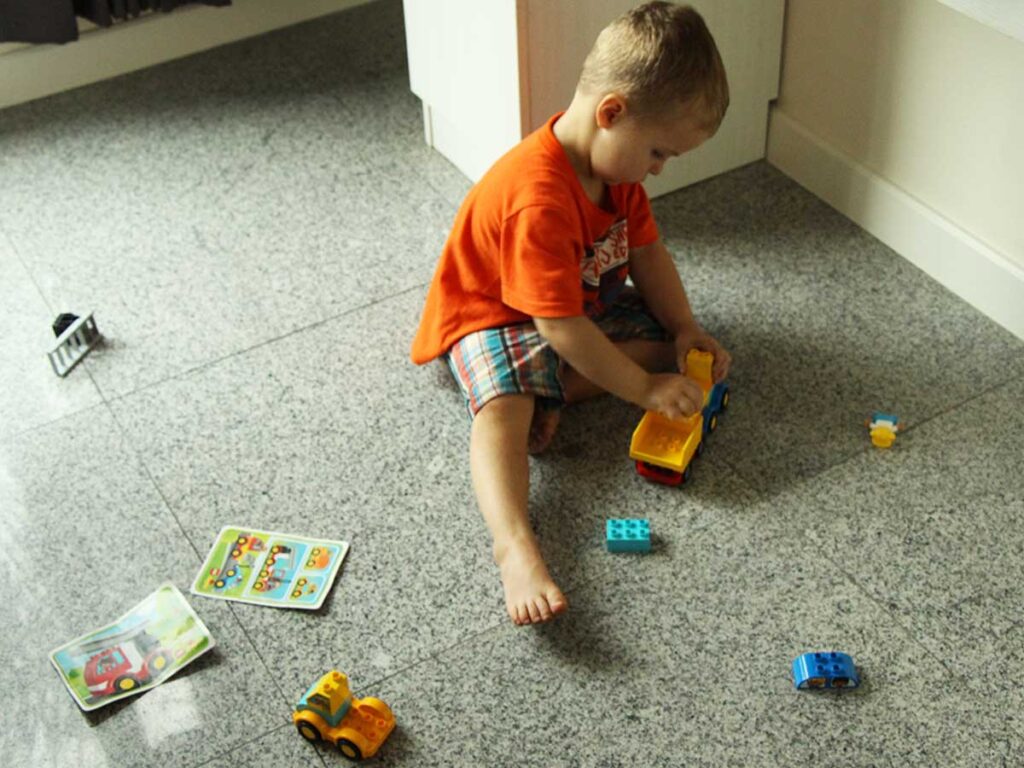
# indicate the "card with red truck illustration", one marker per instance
pixel 269 568
pixel 142 649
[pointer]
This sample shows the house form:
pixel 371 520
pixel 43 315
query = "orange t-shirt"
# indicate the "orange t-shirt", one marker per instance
pixel 528 242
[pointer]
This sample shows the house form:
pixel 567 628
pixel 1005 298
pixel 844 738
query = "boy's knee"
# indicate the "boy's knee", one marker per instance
pixel 510 409
pixel 505 419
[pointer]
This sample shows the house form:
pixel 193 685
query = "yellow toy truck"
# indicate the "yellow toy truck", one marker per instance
pixel 663 448
pixel 328 712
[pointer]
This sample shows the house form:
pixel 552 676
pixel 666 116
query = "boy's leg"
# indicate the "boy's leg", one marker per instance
pixel 652 356
pixel 500 469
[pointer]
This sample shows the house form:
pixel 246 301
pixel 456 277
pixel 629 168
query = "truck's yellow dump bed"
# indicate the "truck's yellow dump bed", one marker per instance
pixel 670 443
pixel 665 442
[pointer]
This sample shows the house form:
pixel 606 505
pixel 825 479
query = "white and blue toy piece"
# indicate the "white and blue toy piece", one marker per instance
pixel 879 419
pixel 824 669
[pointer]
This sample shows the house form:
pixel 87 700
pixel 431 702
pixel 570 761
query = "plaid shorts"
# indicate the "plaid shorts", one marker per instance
pixel 516 359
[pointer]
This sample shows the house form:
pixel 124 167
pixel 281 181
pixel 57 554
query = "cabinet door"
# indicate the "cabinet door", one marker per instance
pixel 558 36
pixel 491 71
pixel 464 66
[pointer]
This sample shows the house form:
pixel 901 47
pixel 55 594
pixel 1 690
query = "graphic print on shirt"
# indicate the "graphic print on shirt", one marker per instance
pixel 604 268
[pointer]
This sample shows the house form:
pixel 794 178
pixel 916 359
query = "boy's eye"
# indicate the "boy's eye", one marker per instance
pixel 657 155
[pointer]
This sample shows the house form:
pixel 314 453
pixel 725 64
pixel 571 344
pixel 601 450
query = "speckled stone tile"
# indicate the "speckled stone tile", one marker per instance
pixel 685 661
pixel 86 536
pixel 33 393
pixel 332 432
pixel 825 324
pixel 282 746
pixel 201 211
pixel 931 529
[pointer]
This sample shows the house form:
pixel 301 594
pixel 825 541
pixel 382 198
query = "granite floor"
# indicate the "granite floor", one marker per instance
pixel 254 228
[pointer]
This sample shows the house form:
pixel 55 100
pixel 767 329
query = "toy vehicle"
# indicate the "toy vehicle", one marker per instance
pixel 328 712
pixel 124 666
pixel 663 448
pixel 826 669
pixel 277 569
pixel 239 557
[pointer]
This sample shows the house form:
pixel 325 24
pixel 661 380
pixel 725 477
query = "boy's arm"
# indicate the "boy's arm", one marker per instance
pixel 655 277
pixel 585 347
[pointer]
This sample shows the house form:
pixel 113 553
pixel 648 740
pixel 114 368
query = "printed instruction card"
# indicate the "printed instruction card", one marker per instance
pixel 270 568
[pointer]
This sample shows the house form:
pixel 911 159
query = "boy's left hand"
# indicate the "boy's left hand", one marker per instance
pixel 697 337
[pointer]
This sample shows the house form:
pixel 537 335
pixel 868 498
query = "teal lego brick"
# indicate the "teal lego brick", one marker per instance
pixel 628 535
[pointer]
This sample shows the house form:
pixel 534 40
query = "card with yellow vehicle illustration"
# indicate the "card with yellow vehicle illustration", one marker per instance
pixel 270 568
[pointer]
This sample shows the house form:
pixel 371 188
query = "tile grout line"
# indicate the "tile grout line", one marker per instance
pixel 496 627
pixel 266 342
pixel 908 631
pixel 198 554
pixel 912 635
pixel 105 400
pixel 255 739
pixel 49 307
pixel 866 451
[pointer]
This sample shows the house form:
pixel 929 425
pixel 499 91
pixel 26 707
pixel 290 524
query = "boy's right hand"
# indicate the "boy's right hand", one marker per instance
pixel 673 395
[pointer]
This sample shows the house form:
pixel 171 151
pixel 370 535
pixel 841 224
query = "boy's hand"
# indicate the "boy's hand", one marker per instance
pixel 697 337
pixel 673 395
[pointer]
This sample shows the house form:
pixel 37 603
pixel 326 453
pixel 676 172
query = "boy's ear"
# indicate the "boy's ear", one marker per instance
pixel 610 110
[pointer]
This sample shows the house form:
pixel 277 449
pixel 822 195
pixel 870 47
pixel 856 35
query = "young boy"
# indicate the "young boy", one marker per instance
pixel 528 305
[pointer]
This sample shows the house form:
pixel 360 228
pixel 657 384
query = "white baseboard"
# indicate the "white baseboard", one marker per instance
pixel 981 276
pixel 30 72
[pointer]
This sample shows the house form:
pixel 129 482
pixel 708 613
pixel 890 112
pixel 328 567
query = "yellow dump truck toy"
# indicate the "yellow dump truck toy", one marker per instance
pixel 328 712
pixel 663 448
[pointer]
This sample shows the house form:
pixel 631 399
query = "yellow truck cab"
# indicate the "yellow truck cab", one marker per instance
pixel 328 712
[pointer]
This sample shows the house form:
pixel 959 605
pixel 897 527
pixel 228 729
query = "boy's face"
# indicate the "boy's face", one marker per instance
pixel 628 148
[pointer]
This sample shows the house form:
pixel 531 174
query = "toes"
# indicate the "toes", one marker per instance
pixel 557 602
pixel 543 609
pixel 535 614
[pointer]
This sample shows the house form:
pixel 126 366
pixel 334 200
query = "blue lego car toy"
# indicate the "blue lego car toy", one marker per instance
pixel 824 669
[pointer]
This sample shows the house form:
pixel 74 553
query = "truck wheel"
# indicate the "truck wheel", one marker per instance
pixel 725 402
pixel 700 449
pixel 308 731
pixel 713 423
pixel 159 663
pixel 349 749
pixel 125 683
pixel 686 473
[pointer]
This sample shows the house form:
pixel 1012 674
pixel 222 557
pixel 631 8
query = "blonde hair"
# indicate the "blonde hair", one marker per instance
pixel 658 56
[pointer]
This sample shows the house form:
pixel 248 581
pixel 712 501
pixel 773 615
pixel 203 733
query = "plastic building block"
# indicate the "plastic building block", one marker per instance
pixel 883 428
pixel 76 336
pixel 824 669
pixel 663 448
pixel 628 535
pixel 328 712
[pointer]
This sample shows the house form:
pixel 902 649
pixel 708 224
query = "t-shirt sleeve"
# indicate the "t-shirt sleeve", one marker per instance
pixel 540 263
pixel 639 218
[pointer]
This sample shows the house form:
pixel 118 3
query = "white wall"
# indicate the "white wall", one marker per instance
pixel 32 71
pixel 909 117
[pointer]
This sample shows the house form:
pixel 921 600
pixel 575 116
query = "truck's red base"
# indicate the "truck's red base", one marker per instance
pixel 659 474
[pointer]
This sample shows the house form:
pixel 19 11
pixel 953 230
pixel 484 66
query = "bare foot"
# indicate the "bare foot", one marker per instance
pixel 531 597
pixel 542 428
